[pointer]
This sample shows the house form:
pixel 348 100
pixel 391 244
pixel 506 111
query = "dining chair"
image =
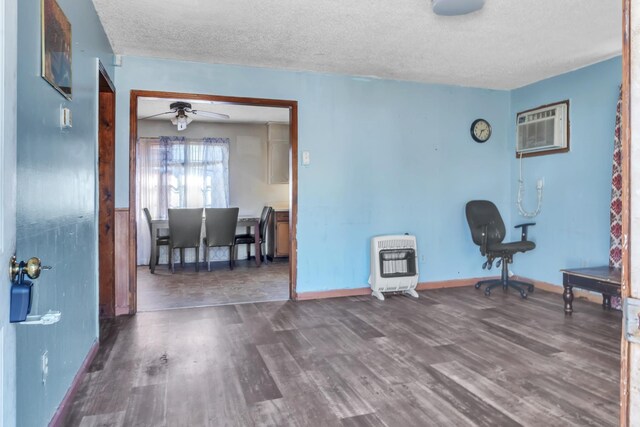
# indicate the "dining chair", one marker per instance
pixel 220 229
pixel 160 240
pixel 185 226
pixel 249 239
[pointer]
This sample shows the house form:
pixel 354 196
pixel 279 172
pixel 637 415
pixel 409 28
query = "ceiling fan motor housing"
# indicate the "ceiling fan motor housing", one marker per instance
pixel 180 106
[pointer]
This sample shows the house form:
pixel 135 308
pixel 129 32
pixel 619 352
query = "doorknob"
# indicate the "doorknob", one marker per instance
pixel 32 268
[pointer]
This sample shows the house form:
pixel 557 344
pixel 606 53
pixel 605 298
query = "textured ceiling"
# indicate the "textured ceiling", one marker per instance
pixel 237 113
pixel 507 44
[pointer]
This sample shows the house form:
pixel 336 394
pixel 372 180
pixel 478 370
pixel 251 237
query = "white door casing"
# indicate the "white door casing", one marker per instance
pixel 634 202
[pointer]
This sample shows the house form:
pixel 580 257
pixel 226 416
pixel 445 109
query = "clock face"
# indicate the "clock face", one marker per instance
pixel 480 130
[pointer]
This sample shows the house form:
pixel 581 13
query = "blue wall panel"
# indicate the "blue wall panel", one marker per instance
pixel 56 207
pixel 386 157
pixel 573 228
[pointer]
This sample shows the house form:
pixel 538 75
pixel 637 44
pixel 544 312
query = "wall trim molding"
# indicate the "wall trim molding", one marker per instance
pixel 354 292
pixel 334 293
pixel 456 283
pixel 122 261
pixel 67 401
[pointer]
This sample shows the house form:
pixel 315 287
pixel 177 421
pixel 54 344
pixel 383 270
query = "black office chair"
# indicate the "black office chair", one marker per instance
pixel 249 239
pixel 488 232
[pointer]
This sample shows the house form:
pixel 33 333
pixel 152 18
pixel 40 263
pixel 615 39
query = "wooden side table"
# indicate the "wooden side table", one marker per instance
pixel 605 280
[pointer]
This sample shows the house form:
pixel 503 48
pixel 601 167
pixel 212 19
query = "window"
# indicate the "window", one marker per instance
pixel 176 172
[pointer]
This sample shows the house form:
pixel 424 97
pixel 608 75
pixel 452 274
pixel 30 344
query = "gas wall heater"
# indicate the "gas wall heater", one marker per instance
pixel 394 266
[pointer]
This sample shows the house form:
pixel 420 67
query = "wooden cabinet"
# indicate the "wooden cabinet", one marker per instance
pixel 281 234
pixel 278 153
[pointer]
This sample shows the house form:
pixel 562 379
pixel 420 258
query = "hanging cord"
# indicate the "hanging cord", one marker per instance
pixel 521 193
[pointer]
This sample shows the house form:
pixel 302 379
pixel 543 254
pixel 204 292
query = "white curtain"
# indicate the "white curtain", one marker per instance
pixel 175 172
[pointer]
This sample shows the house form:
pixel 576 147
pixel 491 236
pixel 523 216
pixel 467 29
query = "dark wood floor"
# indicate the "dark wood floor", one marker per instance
pixel 185 288
pixel 450 358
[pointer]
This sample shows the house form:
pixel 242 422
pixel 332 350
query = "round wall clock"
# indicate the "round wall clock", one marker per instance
pixel 480 130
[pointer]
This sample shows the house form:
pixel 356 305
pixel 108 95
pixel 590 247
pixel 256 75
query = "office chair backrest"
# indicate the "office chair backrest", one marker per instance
pixel 264 220
pixel 481 213
pixel 185 226
pixel 221 226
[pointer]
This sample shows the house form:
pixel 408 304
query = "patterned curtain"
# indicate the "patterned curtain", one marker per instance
pixel 176 172
pixel 615 245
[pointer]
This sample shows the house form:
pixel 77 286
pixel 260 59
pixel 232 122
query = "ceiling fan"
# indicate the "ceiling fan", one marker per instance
pixel 181 119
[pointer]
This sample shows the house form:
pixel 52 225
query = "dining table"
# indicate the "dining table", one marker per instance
pixel 243 221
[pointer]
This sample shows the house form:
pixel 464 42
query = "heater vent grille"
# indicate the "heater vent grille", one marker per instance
pixel 397 244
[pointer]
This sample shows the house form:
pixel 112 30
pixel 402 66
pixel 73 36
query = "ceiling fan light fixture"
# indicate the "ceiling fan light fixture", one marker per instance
pixel 456 7
pixel 181 121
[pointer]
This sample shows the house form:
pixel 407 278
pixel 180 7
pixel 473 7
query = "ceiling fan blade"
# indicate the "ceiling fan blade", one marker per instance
pixel 210 114
pixel 156 115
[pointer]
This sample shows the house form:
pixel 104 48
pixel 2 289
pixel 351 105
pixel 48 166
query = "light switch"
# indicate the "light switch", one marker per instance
pixel 306 158
pixel 65 117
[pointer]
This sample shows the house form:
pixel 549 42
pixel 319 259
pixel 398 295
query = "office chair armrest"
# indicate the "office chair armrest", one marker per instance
pixel 525 229
pixel 483 246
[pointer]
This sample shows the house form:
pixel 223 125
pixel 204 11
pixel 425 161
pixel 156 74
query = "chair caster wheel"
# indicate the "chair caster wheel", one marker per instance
pixel 523 294
pixel 530 289
pixel 487 292
pixel 477 286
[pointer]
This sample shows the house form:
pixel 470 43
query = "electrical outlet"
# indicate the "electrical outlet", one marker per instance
pixel 45 366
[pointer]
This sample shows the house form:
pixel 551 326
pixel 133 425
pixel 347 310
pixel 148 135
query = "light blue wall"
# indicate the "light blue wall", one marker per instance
pixel 57 206
pixel 573 228
pixel 386 157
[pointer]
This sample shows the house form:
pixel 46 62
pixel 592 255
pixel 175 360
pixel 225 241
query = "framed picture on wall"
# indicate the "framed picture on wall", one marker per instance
pixel 56 47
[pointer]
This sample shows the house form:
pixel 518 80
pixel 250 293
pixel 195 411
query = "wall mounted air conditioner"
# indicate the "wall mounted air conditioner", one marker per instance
pixel 543 130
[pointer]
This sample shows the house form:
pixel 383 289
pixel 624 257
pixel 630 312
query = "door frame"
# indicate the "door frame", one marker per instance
pixel 625 140
pixel 105 192
pixel 293 176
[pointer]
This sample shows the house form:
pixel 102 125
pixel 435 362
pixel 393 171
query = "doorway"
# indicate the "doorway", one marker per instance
pixel 106 191
pixel 276 120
